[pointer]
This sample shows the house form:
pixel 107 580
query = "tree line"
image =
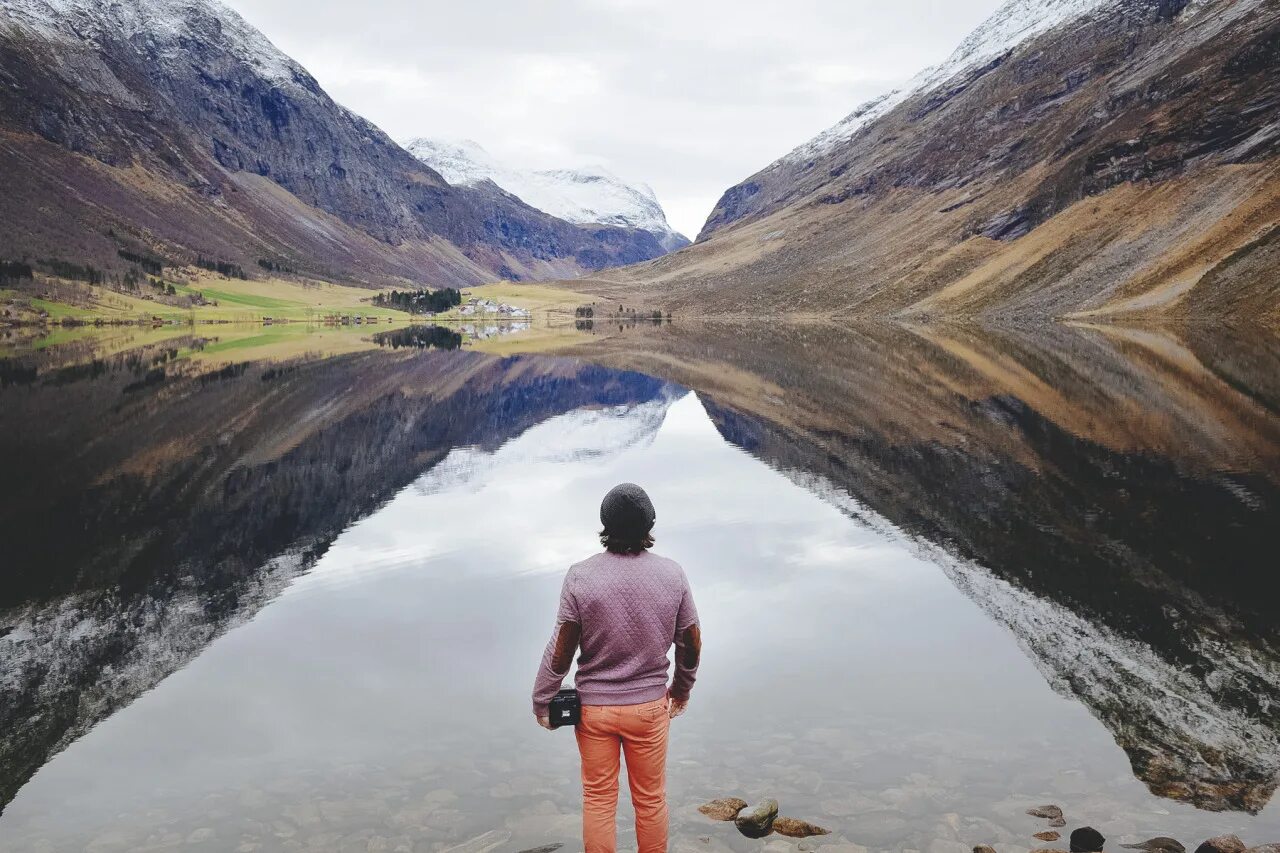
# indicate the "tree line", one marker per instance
pixel 420 301
pixel 226 268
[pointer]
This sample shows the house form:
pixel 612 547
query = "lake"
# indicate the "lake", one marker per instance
pixel 944 574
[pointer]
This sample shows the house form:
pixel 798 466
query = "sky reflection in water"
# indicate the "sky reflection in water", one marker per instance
pixel 385 693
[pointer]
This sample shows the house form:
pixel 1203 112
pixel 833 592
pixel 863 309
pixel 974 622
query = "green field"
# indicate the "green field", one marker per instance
pixel 297 311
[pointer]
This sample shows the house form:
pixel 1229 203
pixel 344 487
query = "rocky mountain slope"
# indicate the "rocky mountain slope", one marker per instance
pixel 174 128
pixel 1076 157
pixel 586 196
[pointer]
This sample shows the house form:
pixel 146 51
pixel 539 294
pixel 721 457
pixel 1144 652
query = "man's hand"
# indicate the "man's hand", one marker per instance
pixel 677 706
pixel 545 722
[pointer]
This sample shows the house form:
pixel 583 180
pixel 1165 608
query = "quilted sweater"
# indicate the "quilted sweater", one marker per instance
pixel 631 609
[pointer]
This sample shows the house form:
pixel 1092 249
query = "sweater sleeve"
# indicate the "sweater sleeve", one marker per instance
pixel 688 643
pixel 558 655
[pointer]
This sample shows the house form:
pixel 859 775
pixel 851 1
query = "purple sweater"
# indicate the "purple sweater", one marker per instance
pixel 631 610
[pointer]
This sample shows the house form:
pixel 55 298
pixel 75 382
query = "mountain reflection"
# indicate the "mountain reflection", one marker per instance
pixel 149 506
pixel 1108 495
pixel 1111 496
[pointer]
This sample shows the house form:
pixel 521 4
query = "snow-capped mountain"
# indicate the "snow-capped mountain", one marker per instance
pixel 584 196
pixel 211 141
pixel 1015 22
pixel 1160 113
pixel 160 24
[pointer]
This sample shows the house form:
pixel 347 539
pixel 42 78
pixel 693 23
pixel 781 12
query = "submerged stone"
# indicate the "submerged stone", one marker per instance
pixel 757 822
pixel 1222 844
pixel 793 828
pixel 725 808
pixel 1050 812
pixel 1160 842
pixel 1086 839
pixel 1048 835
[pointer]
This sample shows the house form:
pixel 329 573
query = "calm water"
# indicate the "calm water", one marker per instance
pixel 943 577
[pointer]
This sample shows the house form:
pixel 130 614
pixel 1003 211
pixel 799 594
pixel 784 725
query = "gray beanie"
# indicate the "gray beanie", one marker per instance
pixel 627 511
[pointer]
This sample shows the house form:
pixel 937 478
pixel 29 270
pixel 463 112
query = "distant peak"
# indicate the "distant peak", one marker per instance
pixel 587 194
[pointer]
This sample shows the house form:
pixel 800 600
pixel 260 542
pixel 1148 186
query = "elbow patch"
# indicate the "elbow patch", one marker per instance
pixel 691 646
pixel 567 638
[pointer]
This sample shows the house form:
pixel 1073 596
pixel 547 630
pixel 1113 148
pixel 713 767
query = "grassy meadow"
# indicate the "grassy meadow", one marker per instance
pixel 271 318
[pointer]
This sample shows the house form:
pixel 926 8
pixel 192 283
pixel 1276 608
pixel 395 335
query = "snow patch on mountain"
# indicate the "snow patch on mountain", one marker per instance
pixel 159 26
pixel 1014 23
pixel 584 196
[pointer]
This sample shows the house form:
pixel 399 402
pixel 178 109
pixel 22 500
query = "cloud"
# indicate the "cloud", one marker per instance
pixel 690 97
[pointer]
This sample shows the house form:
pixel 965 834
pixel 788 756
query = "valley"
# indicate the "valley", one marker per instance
pixel 962 418
pixel 1113 160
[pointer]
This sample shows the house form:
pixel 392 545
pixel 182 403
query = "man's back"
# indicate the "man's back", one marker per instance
pixel 631 609
pixel 623 608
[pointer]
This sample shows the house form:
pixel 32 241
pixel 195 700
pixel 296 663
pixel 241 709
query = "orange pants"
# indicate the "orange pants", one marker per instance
pixel 640 732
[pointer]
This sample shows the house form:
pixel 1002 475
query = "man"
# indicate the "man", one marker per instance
pixel 624 608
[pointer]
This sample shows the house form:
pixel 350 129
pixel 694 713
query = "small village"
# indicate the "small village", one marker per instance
pixel 475 305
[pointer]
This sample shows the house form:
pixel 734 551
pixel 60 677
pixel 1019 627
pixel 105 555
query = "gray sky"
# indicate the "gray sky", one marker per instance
pixel 689 96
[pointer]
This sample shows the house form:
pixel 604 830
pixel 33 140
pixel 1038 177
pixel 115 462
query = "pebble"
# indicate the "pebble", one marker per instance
pixel 1050 812
pixel 1222 844
pixel 1161 842
pixel 1048 835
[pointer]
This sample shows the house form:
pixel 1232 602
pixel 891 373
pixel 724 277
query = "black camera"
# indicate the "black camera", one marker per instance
pixel 565 709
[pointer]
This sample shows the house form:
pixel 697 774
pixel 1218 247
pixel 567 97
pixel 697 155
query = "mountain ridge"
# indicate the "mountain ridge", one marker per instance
pixel 1123 163
pixel 178 126
pixel 588 195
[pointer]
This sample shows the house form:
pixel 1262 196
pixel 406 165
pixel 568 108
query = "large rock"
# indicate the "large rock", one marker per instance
pixel 1222 844
pixel 757 822
pixel 793 828
pixel 725 808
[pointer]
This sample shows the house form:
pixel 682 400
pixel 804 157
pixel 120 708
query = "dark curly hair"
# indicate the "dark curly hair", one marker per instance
pixel 629 544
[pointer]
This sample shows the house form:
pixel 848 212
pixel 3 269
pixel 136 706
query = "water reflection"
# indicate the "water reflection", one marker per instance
pixel 146 511
pixel 420 337
pixel 1117 490
pixel 1107 497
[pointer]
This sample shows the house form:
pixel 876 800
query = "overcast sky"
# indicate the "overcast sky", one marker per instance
pixel 689 96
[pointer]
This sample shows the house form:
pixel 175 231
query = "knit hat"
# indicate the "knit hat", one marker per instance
pixel 627 511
